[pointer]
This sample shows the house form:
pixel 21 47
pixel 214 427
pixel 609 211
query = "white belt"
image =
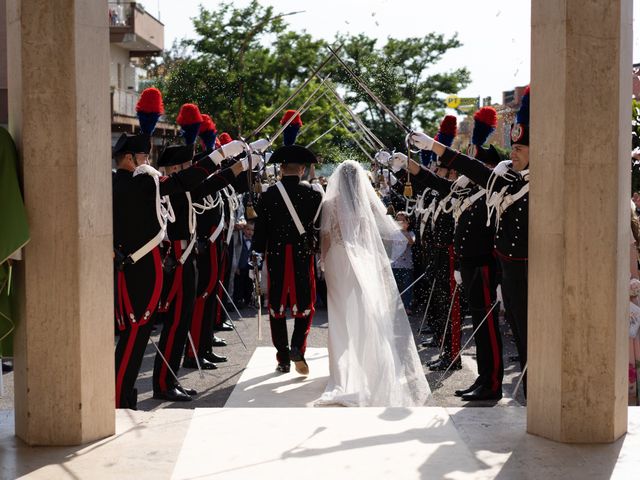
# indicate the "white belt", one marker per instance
pixel 292 210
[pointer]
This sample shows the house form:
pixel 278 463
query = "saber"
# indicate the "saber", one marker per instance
pixel 426 310
pixel 360 126
pixel 309 125
pixel 231 300
pixel 231 320
pixel 446 325
pixel 305 106
pixel 369 92
pixel 293 95
pixel 414 282
pixel 355 116
pixel 360 131
pixel 439 382
pixel 524 371
pixel 325 133
pixel 153 342
pixel 195 354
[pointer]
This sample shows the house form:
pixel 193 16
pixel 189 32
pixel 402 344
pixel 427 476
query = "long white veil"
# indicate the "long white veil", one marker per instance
pixel 379 333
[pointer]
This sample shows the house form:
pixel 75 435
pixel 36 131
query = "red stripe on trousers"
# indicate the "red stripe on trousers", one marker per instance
pixel 312 303
pixel 177 248
pixel 198 308
pixel 492 332
pixel 125 361
pixel 124 298
pixel 289 284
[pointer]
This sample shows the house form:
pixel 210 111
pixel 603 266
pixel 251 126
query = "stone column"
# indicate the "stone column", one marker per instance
pixel 579 219
pixel 58 61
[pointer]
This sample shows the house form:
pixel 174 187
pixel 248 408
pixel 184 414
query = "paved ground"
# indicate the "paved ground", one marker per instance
pixel 217 385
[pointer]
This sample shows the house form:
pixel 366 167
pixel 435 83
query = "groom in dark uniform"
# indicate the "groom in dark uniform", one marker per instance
pixel 286 231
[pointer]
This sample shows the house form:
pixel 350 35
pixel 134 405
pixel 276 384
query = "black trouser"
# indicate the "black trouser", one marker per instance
pixel 280 336
pixel 443 313
pixel 177 320
pixel 206 303
pixel 514 291
pixel 479 285
pixel 138 290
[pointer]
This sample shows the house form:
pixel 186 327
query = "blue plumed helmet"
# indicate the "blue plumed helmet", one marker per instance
pixel 485 123
pixel 149 108
pixel 520 129
pixel 189 119
pixel 208 132
pixel 290 133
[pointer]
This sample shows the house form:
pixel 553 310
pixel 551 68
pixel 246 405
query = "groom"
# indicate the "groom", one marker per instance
pixel 285 230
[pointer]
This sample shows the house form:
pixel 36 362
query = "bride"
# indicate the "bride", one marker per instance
pixel 373 360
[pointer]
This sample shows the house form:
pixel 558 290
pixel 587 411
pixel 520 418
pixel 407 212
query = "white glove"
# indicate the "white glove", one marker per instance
pixel 503 169
pixel 255 161
pixel 382 158
pixel 399 161
pixel 270 170
pixel 458 277
pixel 499 296
pixel 265 187
pixel 421 140
pixel 462 182
pixel 389 177
pixel 231 149
pixel 259 146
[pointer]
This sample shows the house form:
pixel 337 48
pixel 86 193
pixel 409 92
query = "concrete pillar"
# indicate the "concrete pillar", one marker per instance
pixel 579 219
pixel 58 61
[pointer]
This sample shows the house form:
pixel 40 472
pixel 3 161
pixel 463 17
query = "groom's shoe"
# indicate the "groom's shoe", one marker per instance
pixel 283 368
pixel 298 360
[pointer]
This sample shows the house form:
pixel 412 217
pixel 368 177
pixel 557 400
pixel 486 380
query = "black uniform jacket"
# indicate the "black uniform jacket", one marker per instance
pixel 511 239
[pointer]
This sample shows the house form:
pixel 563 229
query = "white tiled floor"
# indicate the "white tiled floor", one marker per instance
pixel 273 440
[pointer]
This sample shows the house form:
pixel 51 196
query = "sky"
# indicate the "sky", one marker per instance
pixel 495 33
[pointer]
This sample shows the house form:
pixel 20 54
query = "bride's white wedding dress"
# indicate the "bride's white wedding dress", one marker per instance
pixel 373 359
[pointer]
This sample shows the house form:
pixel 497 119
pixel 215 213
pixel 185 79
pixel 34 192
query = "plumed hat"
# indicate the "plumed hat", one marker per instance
pixel 189 119
pixel 208 132
pixel 293 154
pixel 291 131
pixel 520 129
pixel 149 108
pixel 131 144
pixel 175 155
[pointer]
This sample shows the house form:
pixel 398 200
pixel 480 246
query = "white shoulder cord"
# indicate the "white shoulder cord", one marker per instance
pixel 192 230
pixel 208 203
pixel 498 202
pixel 425 217
pixel 162 214
pixel 230 193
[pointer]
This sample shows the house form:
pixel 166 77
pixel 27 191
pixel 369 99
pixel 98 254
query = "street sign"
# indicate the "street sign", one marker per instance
pixel 464 104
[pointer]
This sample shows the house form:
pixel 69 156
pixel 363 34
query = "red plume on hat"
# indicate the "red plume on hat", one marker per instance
pixel 208 132
pixel 290 113
pixel 485 123
pixel 149 108
pixel 189 119
pixel 448 130
pixel 290 133
pixel 224 138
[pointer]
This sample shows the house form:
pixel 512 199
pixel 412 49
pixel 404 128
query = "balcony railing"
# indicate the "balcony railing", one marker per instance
pixel 134 29
pixel 123 102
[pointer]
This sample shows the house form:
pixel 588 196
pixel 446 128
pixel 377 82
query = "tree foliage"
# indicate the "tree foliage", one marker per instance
pixel 244 62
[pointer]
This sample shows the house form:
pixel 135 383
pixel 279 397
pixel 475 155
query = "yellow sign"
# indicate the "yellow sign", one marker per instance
pixel 453 101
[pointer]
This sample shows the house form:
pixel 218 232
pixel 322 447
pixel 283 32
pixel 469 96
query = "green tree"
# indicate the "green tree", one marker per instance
pixel 246 61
